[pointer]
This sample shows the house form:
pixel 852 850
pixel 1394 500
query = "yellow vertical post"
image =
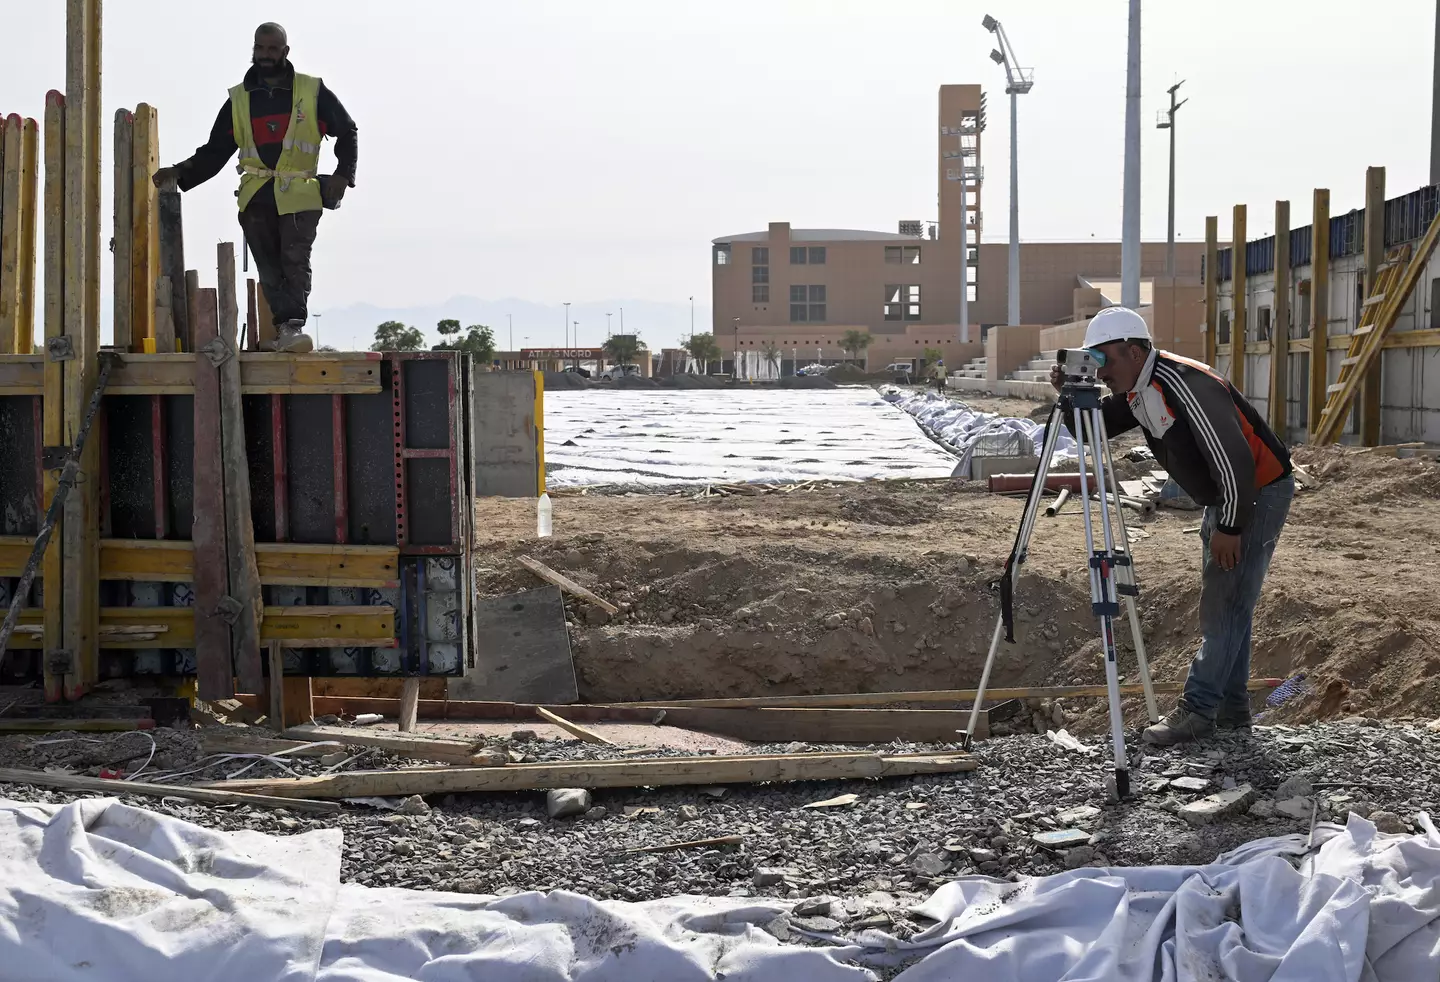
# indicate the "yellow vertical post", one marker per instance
pixel 9 232
pixel 1280 324
pixel 29 205
pixel 1374 254
pixel 1212 280
pixel 90 459
pixel 120 245
pixel 1319 307
pixel 144 227
pixel 539 432
pixel 1240 302
pixel 52 404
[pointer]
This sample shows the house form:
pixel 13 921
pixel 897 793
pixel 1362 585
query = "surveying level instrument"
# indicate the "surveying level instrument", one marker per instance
pixel 1112 575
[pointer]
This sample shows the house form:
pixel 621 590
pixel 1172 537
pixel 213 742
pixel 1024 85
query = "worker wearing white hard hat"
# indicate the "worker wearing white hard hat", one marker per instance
pixel 1214 444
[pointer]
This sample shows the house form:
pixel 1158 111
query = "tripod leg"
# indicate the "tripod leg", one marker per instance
pixel 1125 580
pixel 1102 586
pixel 1017 558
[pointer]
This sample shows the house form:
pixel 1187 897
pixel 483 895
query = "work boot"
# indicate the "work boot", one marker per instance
pixel 290 337
pixel 1233 718
pixel 1181 726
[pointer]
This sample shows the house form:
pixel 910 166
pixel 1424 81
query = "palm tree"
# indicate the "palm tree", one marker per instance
pixel 854 342
pixel 703 349
pixel 771 352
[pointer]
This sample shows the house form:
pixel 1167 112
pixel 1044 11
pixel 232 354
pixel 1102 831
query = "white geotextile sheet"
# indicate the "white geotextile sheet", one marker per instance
pixel 962 428
pixel 722 436
pixel 99 890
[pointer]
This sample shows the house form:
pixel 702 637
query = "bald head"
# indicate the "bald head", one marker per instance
pixel 271 50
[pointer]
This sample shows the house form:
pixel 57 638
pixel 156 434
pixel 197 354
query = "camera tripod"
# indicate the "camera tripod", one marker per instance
pixel 1112 574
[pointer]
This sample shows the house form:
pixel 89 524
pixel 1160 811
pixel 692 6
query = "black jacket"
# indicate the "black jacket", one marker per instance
pixel 269 120
pixel 1203 432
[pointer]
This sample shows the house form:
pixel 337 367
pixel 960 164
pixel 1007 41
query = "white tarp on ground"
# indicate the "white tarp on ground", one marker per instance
pixel 722 436
pixel 99 890
pixel 965 430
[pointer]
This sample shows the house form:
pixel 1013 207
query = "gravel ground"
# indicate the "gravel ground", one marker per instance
pixel 866 861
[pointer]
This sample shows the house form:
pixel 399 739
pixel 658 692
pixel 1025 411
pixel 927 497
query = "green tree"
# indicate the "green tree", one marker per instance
pixel 622 349
pixel 932 355
pixel 854 342
pixel 395 336
pixel 703 349
pixel 478 340
pixel 770 351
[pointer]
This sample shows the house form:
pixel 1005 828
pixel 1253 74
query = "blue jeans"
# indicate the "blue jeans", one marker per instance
pixel 1221 669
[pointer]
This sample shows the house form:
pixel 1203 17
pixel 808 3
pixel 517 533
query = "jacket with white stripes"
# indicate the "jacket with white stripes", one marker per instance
pixel 1203 431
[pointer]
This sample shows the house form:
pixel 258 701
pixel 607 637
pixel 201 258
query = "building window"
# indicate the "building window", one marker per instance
pixel 760 256
pixel 760 293
pixel 817 255
pixel 798 255
pixel 722 255
pixel 1262 324
pixel 1222 333
pixel 902 303
pixel 1434 304
pixel 807 304
pixel 759 274
pixel 903 255
pixel 1302 327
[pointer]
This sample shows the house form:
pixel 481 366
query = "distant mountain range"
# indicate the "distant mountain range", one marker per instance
pixel 660 325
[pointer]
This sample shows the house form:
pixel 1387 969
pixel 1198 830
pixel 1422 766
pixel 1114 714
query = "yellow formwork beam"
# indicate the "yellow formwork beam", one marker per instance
pixel 261 373
pixel 52 412
pixel 144 224
pixel 174 627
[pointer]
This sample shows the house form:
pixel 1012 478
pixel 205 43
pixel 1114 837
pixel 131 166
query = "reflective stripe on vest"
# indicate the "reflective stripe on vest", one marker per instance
pixel 296 185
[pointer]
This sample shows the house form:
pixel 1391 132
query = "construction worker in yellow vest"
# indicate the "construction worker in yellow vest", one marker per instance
pixel 939 373
pixel 275 119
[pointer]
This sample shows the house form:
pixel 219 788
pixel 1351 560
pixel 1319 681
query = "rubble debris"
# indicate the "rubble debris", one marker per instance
pixel 566 802
pixel 1220 805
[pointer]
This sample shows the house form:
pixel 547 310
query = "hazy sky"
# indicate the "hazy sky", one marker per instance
pixel 565 150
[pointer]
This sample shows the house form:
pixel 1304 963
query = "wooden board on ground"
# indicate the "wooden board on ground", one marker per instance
pixel 830 725
pixel 522 650
pixel 377 688
pixel 446 750
pixel 212 796
pixel 565 583
pixel 574 729
pixel 655 772
pixel 215 671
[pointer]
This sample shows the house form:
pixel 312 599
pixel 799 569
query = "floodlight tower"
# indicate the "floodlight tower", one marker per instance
pixel 1018 81
pixel 1166 121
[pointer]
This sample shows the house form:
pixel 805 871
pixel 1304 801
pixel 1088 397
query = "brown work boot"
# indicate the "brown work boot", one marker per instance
pixel 1233 718
pixel 291 338
pixel 1181 726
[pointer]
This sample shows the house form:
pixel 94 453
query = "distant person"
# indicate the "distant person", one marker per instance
pixel 276 119
pixel 938 373
pixel 1219 450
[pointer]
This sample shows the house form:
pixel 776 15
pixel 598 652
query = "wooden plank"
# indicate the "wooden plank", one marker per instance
pixel 211 796
pixel 378 688
pixel 123 231
pixel 229 739
pixel 1280 325
pixel 29 219
pixel 10 127
pixel 565 583
pixel 235 467
pixel 1374 237
pixel 658 772
pixel 278 563
pixel 76 725
pixel 261 373
pixel 144 227
pixel 171 233
pixel 265 321
pixel 441 749
pixel 783 725
pixel 1212 280
pixel 409 703
pixel 1240 300
pixel 299 707
pixel 252 338
pixel 215 668
pixel 313 627
pixel 574 729
pixel 53 404
pixel 275 684
pixel 1319 307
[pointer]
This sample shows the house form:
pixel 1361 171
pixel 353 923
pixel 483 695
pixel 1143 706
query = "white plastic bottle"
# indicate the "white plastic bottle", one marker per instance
pixel 543 517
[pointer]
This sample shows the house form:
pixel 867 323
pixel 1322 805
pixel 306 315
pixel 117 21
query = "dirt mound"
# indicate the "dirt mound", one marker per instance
pixel 631 382
pixel 1350 477
pixel 564 380
pixel 847 374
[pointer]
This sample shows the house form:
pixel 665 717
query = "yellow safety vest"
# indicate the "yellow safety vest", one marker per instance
pixel 296 184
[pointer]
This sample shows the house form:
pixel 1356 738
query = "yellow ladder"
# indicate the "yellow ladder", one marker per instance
pixel 1394 282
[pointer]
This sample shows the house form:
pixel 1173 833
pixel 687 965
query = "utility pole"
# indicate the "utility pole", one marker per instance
pixel 1130 216
pixel 1167 122
pixel 511 319
pixel 1435 104
pixel 1018 81
pixel 692 300
pixel 317 328
pixel 735 361
pixel 607 323
pixel 567 323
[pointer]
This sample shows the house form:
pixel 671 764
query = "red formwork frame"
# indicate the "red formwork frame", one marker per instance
pixel 281 468
pixel 158 461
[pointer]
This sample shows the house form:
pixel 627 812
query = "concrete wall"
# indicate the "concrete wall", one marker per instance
pixel 508 436
pixel 1007 348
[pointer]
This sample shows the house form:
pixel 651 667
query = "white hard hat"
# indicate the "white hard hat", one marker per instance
pixel 1115 324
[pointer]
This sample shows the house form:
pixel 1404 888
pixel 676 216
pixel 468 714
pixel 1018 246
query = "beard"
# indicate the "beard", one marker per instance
pixel 266 65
